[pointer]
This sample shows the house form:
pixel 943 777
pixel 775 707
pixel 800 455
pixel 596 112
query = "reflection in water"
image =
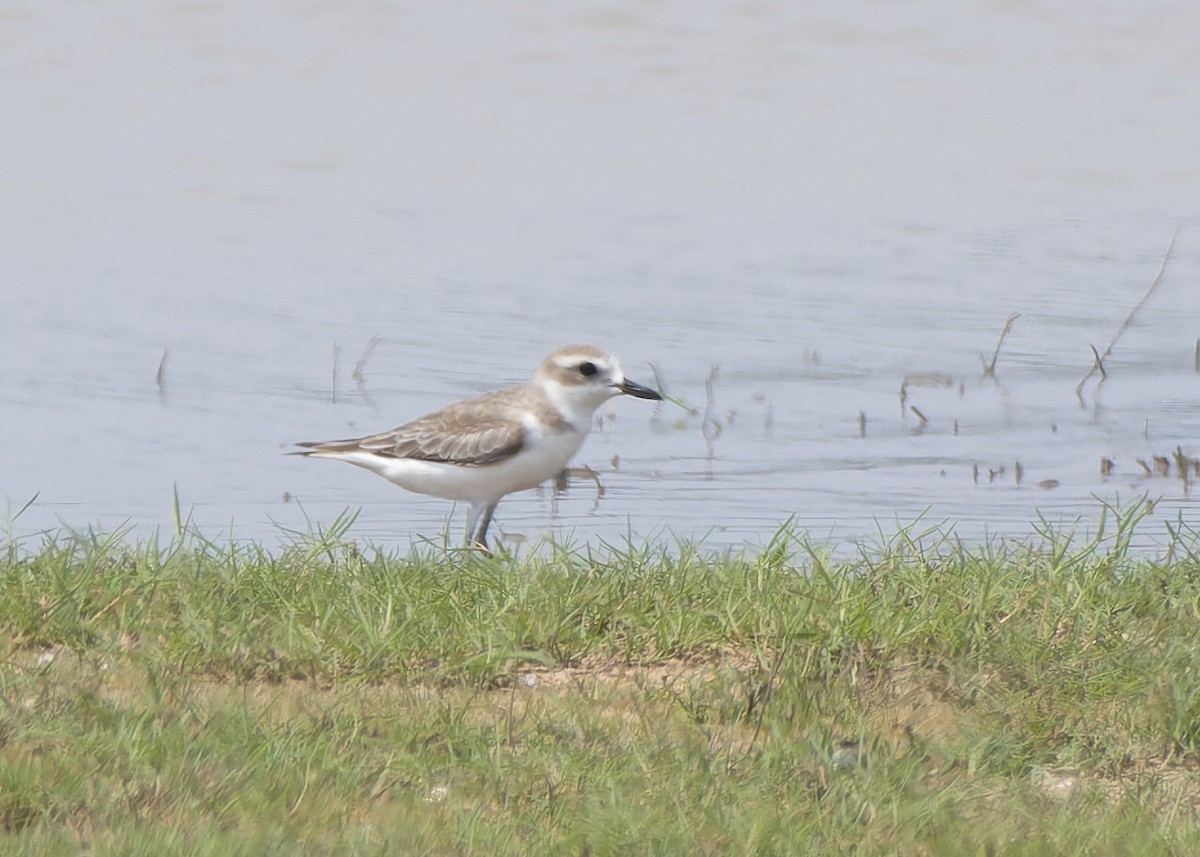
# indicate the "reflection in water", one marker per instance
pixel 218 244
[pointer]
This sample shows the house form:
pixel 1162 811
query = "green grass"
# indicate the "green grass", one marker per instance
pixel 919 697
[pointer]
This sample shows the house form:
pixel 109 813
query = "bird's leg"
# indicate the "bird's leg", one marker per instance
pixel 472 518
pixel 479 537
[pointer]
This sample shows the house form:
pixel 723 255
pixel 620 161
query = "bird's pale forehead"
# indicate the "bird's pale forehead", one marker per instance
pixel 572 354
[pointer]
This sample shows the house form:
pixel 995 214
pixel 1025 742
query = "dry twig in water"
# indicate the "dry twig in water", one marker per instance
pixel 361 365
pixel 562 481
pixel 1183 469
pixel 989 368
pixel 160 377
pixel 922 379
pixel 709 426
pixel 1098 365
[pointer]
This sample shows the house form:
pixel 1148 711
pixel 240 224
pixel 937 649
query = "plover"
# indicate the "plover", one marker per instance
pixel 478 450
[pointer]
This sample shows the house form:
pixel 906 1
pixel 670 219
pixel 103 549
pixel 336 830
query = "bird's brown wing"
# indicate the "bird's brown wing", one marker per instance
pixel 462 433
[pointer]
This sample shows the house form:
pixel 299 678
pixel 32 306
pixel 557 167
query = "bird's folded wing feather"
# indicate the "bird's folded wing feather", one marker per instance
pixel 434 438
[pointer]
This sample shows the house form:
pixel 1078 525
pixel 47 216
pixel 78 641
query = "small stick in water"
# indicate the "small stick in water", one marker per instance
pixel 1098 365
pixel 989 368
pixel 1182 469
pixel 361 365
pixel 160 377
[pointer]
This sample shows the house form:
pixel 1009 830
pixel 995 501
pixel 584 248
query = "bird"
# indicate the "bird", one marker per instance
pixel 481 449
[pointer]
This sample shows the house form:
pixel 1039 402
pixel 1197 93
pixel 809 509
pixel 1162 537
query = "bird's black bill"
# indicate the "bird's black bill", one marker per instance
pixel 633 388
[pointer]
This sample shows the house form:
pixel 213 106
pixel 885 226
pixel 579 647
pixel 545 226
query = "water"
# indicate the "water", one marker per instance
pixel 821 199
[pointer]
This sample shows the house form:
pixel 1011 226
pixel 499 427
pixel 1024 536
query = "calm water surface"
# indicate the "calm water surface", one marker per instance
pixel 821 199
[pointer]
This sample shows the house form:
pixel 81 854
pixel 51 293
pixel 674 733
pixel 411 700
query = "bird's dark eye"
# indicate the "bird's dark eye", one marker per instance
pixel 587 368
